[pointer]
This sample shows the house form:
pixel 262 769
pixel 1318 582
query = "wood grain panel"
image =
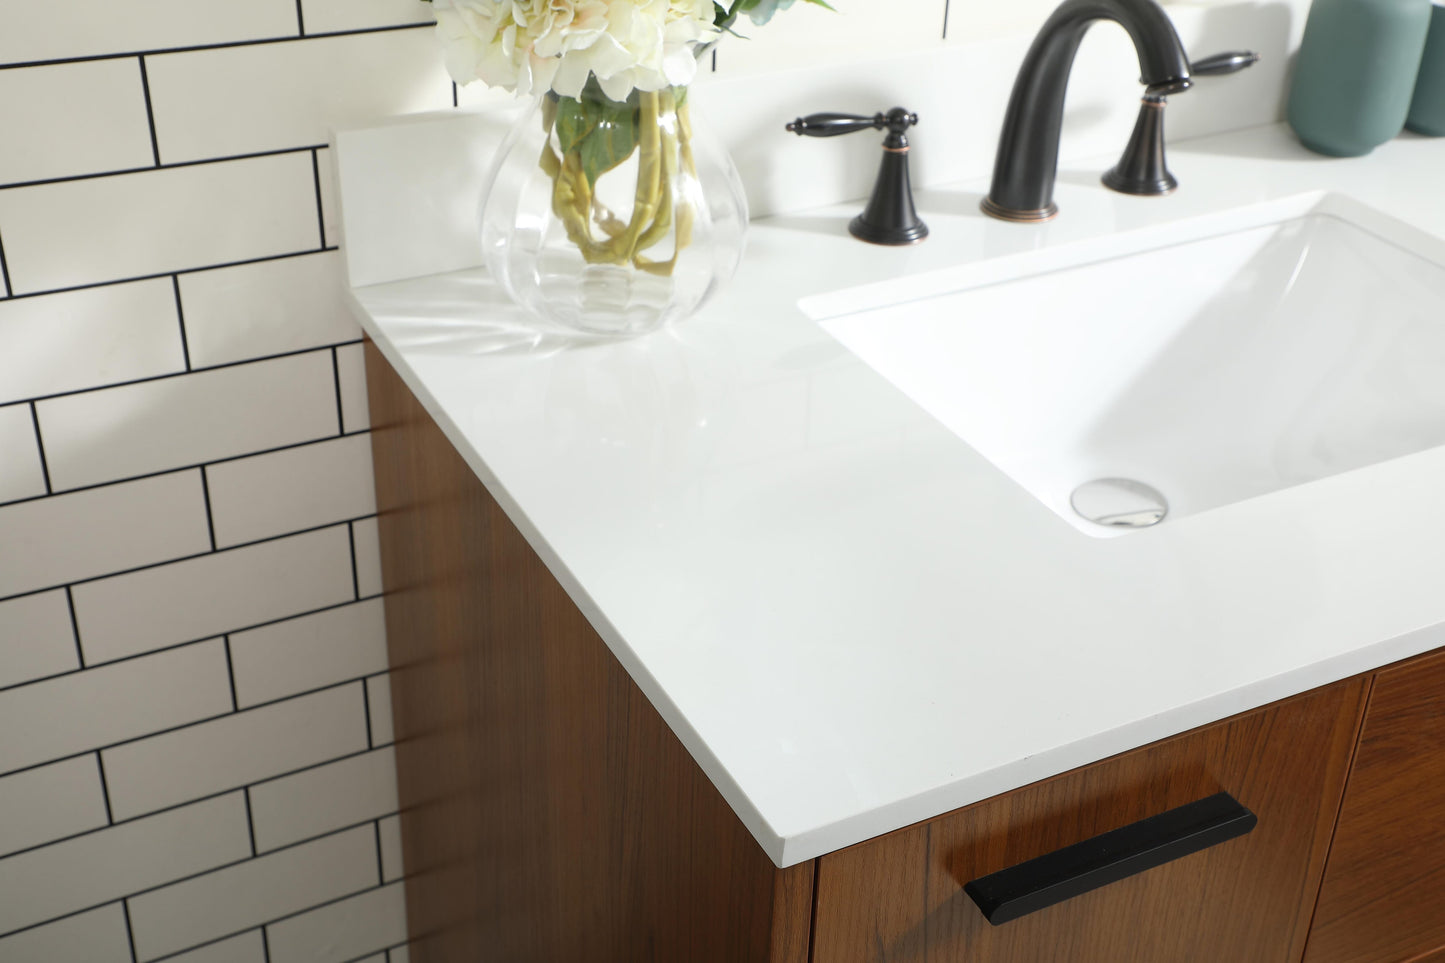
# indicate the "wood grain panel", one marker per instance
pixel 1434 956
pixel 900 898
pixel 548 813
pixel 1383 898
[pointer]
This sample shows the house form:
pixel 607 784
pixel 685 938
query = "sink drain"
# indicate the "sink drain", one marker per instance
pixel 1119 503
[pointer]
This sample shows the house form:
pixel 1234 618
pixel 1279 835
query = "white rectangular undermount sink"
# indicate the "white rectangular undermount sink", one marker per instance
pixel 1213 360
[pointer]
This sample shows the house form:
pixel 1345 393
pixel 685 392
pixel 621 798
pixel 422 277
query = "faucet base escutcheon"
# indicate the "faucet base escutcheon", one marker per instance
pixel 992 209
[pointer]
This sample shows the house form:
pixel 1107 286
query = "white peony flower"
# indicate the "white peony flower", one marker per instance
pixel 530 45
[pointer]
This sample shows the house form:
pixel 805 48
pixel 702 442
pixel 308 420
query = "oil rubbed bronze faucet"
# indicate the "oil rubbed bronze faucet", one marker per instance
pixel 1028 149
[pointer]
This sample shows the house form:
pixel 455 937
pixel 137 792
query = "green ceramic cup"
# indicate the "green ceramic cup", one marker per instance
pixel 1427 110
pixel 1356 73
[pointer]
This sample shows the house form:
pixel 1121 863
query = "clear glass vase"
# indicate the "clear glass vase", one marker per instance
pixel 612 217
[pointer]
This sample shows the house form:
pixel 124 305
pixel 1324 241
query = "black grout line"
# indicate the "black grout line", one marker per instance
pixel 380 864
pixel 231 673
pixel 129 930
pixel 250 820
pixel 316 175
pixel 366 708
pixel 355 569
pixel 181 318
pixel 384 952
pixel 315 349
pixel 145 86
pixel 165 274
pixel 75 630
pixel 156 51
pixel 945 19
pixel 265 946
pixel 210 516
pixel 104 793
pixel 336 375
pixel 4 270
pixel 192 557
pixel 181 645
pixel 175 165
pixel 280 919
pixel 207 872
pixel 300 19
pixel 210 797
pixel 40 447
pixel 162 472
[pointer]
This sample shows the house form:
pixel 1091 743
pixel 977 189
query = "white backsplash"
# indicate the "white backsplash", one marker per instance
pixel 401 226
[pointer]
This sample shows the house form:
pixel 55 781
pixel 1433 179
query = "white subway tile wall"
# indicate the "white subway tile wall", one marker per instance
pixel 378 701
pixel 326 16
pixel 269 307
pixel 249 947
pixel 167 605
pixel 77 232
pixel 291 490
pixel 189 674
pixel 301 654
pixel 391 861
pixel 169 422
pixel 337 933
pixel 84 339
pixel 78 119
pixel 50 802
pixel 253 892
pixel 82 711
pixel 356 790
pixel 51 541
pixel 89 870
pixel 368 557
pixel 233 751
pixel 21 473
pixel 351 375
pixel 98 936
pixel 36 638
pixel 343 81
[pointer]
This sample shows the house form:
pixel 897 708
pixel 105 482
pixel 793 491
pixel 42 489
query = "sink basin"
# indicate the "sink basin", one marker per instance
pixel 1212 360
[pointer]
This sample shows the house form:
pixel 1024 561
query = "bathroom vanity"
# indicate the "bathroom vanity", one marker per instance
pixel 550 814
pixel 727 644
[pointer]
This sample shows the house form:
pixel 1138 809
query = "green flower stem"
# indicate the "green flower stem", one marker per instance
pixel 599 235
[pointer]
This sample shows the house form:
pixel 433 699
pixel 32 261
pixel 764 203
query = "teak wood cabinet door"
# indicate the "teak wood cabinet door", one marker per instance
pixel 1383 898
pixel 548 813
pixel 1248 900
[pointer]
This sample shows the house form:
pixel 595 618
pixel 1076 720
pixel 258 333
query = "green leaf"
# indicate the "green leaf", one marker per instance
pixel 574 123
pixel 612 139
pixel 601 132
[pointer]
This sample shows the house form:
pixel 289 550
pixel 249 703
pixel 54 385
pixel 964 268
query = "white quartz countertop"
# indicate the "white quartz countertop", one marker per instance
pixel 851 619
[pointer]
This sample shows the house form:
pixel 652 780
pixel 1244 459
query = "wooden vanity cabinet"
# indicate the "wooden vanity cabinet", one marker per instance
pixel 1383 898
pixel 549 814
pixel 1248 900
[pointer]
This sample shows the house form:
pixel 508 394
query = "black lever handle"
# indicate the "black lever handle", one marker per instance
pixel 1225 63
pixel 829 124
pixel 890 217
pixel 1109 857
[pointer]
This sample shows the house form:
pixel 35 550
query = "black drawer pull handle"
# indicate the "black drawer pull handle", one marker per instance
pixel 1109 857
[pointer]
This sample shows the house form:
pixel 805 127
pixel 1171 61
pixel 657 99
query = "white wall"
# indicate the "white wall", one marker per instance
pixel 194 715
pixel 195 732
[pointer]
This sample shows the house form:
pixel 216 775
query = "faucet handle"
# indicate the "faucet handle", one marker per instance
pixel 1224 63
pixel 890 217
pixel 829 124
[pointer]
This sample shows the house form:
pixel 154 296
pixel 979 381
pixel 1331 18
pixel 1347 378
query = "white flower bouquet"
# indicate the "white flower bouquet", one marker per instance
pixel 612 78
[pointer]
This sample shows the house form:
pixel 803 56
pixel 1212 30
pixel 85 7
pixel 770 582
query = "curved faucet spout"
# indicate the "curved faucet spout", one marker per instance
pixel 1028 149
